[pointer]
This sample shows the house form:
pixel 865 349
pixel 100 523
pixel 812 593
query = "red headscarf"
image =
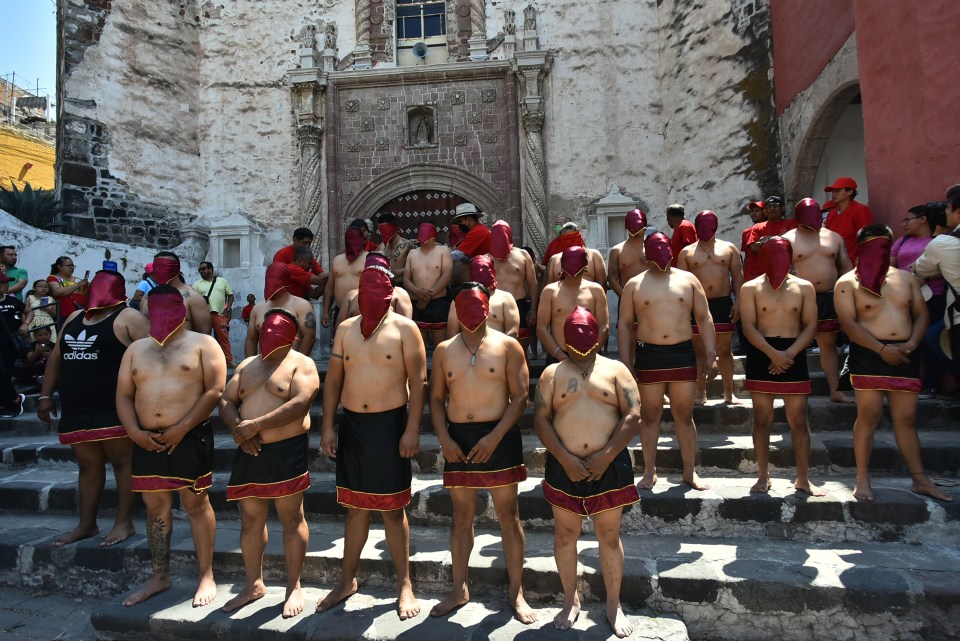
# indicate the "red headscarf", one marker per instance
pixel 278 330
pixel 276 280
pixel 376 294
pixel 581 332
pixel 807 214
pixel 353 243
pixel 501 240
pixel 776 256
pixel 456 235
pixel 473 307
pixel 387 231
pixel 657 250
pixel 561 242
pixel 426 232
pixel 483 271
pixel 635 222
pixel 107 289
pixel 165 269
pixel 706 224
pixel 167 314
pixel 573 261
pixel 873 261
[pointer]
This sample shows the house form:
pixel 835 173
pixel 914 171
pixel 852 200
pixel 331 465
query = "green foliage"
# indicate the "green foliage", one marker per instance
pixel 36 207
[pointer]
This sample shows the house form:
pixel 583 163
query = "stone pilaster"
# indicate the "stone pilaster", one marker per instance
pixel 531 67
pixel 362 58
pixel 478 30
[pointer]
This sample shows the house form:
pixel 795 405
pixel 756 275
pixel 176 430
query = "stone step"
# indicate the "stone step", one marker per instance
pixel 730 588
pixel 726 509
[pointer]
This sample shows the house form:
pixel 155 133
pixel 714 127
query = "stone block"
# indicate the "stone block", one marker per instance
pixel 76 174
pixel 897 507
pixel 810 509
pixel 875 590
pixel 760 508
pixel 671 506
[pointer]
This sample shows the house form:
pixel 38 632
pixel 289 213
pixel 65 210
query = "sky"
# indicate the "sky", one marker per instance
pixel 28 45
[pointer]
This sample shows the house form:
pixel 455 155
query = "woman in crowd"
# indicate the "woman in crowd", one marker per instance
pixel 69 291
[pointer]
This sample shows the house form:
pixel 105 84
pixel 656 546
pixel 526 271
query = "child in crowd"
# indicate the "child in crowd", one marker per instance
pixel 39 351
pixel 38 300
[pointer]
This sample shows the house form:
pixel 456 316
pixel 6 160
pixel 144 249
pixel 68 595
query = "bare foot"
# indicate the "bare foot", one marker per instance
pixel 206 592
pixel 248 594
pixel 839 397
pixel 77 534
pixel 156 585
pixel 762 486
pixel 120 532
pixel 732 400
pixel 808 487
pixel 455 598
pixel 648 481
pixel 864 492
pixel 695 482
pixel 923 485
pixel 407 605
pixel 340 592
pixel 568 615
pixel 294 603
pixel 701 399
pixel 524 613
pixel 622 627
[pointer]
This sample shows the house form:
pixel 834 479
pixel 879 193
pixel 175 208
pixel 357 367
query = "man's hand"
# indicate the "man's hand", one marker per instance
pixel 894 354
pixel 484 449
pixel 575 469
pixel 171 438
pixel 244 431
pixel 735 312
pixel 325 319
pixel 47 410
pixel 328 443
pixel 596 464
pixel 251 446
pixel 409 443
pixel 147 440
pixel 780 362
pixel 532 318
pixel 452 452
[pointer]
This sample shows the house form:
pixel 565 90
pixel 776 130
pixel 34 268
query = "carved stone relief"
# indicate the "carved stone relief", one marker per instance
pixel 366 123
pixel 489 137
pixel 488 95
pixel 460 139
pixel 475 117
pixel 352 106
pixel 353 175
pixel 353 145
pixel 491 165
pixel 457 98
pixel 383 144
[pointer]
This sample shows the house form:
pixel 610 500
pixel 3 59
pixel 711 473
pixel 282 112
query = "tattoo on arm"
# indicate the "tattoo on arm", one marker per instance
pixel 631 401
pixel 335 355
pixel 310 322
pixel 159 540
pixel 572 385
pixel 538 400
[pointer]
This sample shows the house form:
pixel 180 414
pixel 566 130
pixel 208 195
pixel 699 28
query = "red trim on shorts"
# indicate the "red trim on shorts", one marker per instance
pixel 778 387
pixel 828 326
pixel 167 483
pixel 865 382
pixel 269 490
pixel 590 505
pixel 523 333
pixel 674 375
pixel 498 478
pixel 380 502
pixel 95 434
pixel 431 327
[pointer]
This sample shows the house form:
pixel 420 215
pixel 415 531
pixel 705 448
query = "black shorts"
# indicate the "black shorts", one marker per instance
pixel 190 466
pixel 89 426
pixel 523 305
pixel 505 466
pixel 720 309
pixel 434 316
pixel 371 474
pixel 280 469
pixel 665 363
pixel 614 489
pixel 826 313
pixel 795 380
pixel 868 371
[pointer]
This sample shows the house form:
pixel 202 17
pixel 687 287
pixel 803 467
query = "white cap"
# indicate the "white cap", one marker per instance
pixel 466 209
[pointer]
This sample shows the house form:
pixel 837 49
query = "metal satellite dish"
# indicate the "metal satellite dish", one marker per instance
pixel 420 50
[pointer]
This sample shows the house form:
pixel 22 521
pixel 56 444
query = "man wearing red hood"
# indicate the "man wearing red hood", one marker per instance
pixel 596 267
pixel 393 245
pixel 345 270
pixel 400 303
pixel 504 314
pixel 168 385
pixel 774 225
pixel 779 316
pixel 655 338
pixel 377 357
pixel 276 293
pixel 476 239
pixel 882 311
pixel 426 276
pixel 266 407
pixel 516 275
pixel 846 216
pixel 627 259
pixel 83 367
pixel 166 271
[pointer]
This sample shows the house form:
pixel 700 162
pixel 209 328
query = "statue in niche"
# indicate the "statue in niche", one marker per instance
pixel 308 36
pixel 420 129
pixel 330 37
pixel 529 18
pixel 509 22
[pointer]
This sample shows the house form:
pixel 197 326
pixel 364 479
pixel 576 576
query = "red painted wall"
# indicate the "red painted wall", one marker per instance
pixel 806 35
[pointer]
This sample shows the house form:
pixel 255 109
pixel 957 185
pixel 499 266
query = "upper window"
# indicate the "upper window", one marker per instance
pixel 417 20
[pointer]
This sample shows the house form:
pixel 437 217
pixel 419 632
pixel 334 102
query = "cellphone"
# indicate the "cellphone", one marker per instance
pixel 86 275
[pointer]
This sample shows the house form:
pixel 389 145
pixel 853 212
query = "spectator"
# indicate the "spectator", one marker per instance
pixel 35 360
pixel 567 236
pixel 8 264
pixel 774 225
pixel 43 307
pixel 302 237
pixel 144 286
pixel 847 216
pixel 477 235
pixel 245 312
pixel 684 233
pixel 757 216
pixel 393 245
pixel 303 283
pixel 14 320
pixel 363 226
pixel 66 289
pixel 217 292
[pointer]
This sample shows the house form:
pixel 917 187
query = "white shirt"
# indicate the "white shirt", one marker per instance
pixel 942 258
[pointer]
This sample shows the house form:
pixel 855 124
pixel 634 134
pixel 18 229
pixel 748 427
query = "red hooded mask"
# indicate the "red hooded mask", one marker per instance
pixel 657 250
pixel 873 261
pixel 165 269
pixel 426 232
pixel 776 256
pixel 278 330
pixel 581 332
pixel 167 314
pixel 387 231
pixel 353 246
pixel 456 235
pixel 107 289
pixel 573 261
pixel 501 240
pixel 376 294
pixel 807 213
pixel 483 271
pixel 473 307
pixel 276 280
pixel 706 223
pixel 376 260
pixel 635 222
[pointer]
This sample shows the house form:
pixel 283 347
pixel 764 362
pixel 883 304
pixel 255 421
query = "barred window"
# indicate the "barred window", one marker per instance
pixel 420 20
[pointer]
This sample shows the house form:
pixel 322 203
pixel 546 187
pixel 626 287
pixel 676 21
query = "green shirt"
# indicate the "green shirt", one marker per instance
pixel 16 274
pixel 218 297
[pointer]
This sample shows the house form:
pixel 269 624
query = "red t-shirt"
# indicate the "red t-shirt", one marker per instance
pixel 561 242
pixel 299 280
pixel 72 302
pixel 848 222
pixel 245 312
pixel 684 234
pixel 285 256
pixel 751 267
pixel 476 242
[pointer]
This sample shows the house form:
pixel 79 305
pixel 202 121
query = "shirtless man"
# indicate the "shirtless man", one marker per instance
pixel 559 299
pixel 276 292
pixel 504 316
pixel 516 275
pixel 168 385
pixel 655 315
pixel 596 269
pixel 378 350
pixel 585 414
pixel 479 384
pixel 394 246
pixel 779 313
pixel 88 395
pixel 266 406
pixel 400 303
pixel 820 256
pixel 344 274
pixel 166 271
pixel 882 311
pixel 627 259
pixel 425 277
pixel 717 265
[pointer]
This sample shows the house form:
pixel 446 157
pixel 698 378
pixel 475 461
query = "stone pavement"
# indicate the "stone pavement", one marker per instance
pixel 41 615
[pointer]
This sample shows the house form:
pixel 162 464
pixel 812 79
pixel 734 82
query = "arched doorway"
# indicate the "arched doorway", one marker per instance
pixel 423 204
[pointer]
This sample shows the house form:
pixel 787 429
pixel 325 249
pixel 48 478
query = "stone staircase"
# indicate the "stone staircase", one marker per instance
pixel 717 564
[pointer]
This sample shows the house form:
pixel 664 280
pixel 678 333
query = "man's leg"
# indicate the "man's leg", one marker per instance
pixel 119 452
pixel 296 536
pixel 511 535
pixel 762 420
pixel 203 525
pixel 461 544
pixel 221 331
pixel 869 410
pixel 830 364
pixel 701 394
pixel 725 363
pixel 651 411
pixel 355 532
pixel 681 406
pixel 796 406
pixel 398 541
pixel 566 532
pixel 253 540
pixel 91 459
pixel 903 411
pixel 607 527
pixel 159 525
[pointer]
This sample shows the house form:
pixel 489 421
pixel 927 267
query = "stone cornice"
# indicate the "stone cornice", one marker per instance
pixel 476 70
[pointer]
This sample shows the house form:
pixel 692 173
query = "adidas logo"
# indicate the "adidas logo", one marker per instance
pixel 79 346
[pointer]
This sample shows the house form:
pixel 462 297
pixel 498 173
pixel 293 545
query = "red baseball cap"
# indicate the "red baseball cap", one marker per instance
pixel 756 204
pixel 842 183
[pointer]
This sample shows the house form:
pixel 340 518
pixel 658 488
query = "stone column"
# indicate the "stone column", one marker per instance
pixel 311 192
pixel 509 33
pixel 478 30
pixel 361 54
pixel 530 68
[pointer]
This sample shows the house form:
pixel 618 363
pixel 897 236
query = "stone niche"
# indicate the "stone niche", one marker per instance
pixel 605 224
pixel 421 128
pixel 235 244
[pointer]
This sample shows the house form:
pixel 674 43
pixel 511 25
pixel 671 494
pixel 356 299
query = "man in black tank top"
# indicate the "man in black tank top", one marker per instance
pixel 83 367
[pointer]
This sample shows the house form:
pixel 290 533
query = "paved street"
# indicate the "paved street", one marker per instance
pixel 41 616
